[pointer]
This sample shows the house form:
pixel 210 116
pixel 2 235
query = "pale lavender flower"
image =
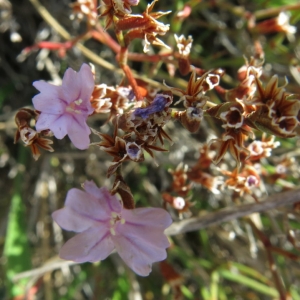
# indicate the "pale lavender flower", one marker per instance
pixel 65 109
pixel 104 225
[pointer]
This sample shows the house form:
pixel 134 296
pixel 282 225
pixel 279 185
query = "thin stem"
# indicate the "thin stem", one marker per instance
pixel 63 33
pixel 123 58
pixel 95 6
pixel 268 248
pixel 104 38
pixel 264 13
pixel 132 81
pixel 101 35
pixel 227 214
pixel 94 58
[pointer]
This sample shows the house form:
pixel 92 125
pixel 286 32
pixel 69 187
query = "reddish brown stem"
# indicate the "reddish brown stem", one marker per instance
pixel 285 253
pixel 104 38
pixel 132 82
pixel 122 58
pixel 95 6
pixel 151 58
pixel 54 45
pixel 101 35
pixel 221 91
pixel 128 72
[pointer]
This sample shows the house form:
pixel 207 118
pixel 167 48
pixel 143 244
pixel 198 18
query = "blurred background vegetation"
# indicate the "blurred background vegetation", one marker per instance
pixel 226 261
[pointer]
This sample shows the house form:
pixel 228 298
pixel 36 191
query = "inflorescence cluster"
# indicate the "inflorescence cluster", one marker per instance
pixel 138 113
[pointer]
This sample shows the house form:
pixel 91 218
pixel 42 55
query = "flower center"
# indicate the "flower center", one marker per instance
pixel 72 107
pixel 115 219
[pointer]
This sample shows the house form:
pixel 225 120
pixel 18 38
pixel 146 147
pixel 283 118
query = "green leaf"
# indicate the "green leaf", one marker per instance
pixel 214 286
pixel 295 293
pixel 16 248
pixel 250 283
pixel 122 289
pixel 275 3
pixel 186 292
pixel 205 293
pixel 250 271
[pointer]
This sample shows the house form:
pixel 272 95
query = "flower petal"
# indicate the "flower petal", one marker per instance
pixel 150 216
pixel 91 188
pixel 141 241
pixel 138 254
pixel 46 88
pixel 69 219
pixel 106 200
pixel 70 86
pixel 86 79
pixel 78 132
pixel 45 121
pixel 145 234
pixel 59 127
pixel 70 103
pixel 87 205
pixel 48 104
pixel 47 100
pixel 91 245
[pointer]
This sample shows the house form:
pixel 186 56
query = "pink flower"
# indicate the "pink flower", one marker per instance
pixel 65 109
pixel 104 225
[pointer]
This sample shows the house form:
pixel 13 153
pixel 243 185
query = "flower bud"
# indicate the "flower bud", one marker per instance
pixel 184 46
pixel 134 151
pixel 190 118
pixel 260 120
pixel 184 65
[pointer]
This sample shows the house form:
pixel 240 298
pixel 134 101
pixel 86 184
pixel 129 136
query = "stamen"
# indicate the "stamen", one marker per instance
pixel 71 109
pixel 114 214
pixel 78 102
pixel 115 218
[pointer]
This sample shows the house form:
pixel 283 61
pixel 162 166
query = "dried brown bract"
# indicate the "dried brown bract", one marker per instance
pixel 112 100
pixel 193 95
pixel 120 148
pixel 190 118
pixel 179 193
pixel 200 172
pixel 180 184
pixel 232 115
pixel 242 182
pixel 194 98
pixel 29 136
pixel 124 191
pixel 116 8
pixel 144 26
pixel 184 48
pixel 147 121
pixel 251 67
pixel 232 140
pixel 276 112
pixel 263 148
pixel 281 23
pixel 142 127
pixel 180 204
pixel 84 9
pixel 173 278
pixel 246 87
